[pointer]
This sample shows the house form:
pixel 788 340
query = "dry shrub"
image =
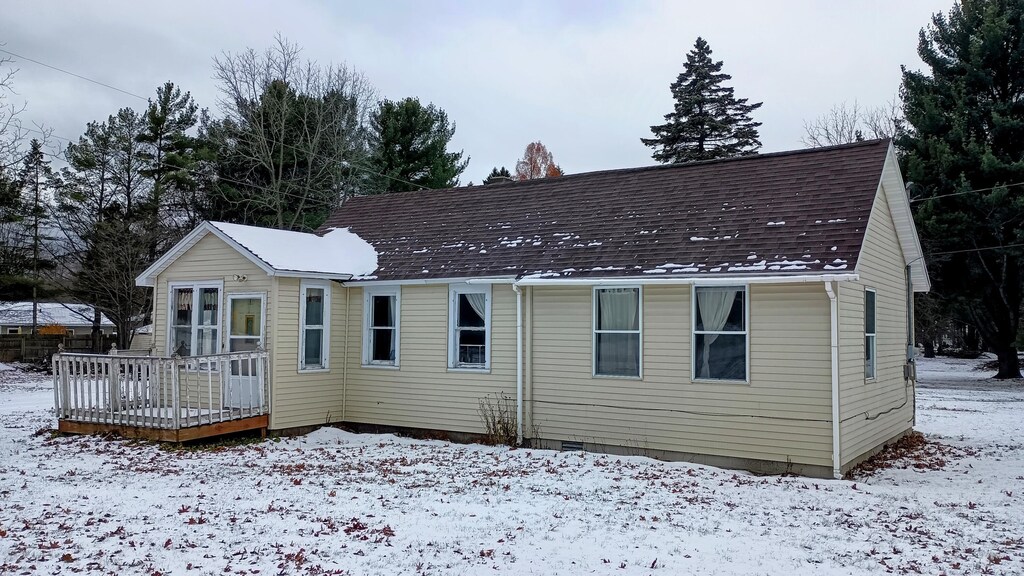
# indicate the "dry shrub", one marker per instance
pixel 498 414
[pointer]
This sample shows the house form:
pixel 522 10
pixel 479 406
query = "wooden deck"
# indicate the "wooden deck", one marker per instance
pixel 167 434
pixel 169 399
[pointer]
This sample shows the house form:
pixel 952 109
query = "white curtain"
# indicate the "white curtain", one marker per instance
pixel 478 301
pixel 714 305
pixel 618 309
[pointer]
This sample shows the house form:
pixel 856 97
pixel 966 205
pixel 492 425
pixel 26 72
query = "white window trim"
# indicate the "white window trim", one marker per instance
pixel 196 288
pixel 693 334
pixel 594 331
pixel 454 290
pixel 874 336
pixel 325 343
pixel 368 293
pixel 263 316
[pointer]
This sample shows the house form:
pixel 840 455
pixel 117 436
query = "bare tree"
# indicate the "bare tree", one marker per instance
pixel 850 123
pixel 537 162
pixel 294 129
pixel 12 133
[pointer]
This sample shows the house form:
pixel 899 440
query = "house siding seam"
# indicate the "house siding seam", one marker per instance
pixel 881 267
pixel 782 415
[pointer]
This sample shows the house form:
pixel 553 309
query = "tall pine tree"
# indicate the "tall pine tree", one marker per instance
pixel 36 179
pixel 707 121
pixel 409 147
pixel 963 149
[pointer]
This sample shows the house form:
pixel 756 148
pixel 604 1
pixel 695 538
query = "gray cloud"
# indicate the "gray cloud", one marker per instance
pixel 586 78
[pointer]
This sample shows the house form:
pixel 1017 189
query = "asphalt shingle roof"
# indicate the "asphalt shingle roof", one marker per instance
pixel 799 212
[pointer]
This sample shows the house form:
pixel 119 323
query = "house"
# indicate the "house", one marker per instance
pixel 16 318
pixel 753 312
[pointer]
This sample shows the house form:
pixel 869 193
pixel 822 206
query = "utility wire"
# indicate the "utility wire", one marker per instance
pixel 143 98
pixel 962 192
pixel 86 78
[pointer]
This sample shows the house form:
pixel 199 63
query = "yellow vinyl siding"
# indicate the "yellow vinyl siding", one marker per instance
pixel 881 267
pixel 422 392
pixel 209 259
pixel 309 397
pixel 783 413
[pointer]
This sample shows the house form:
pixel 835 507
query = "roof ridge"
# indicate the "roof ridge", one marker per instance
pixel 655 167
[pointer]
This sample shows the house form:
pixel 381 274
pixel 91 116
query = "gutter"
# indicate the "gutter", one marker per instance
pixel 703 281
pixel 834 324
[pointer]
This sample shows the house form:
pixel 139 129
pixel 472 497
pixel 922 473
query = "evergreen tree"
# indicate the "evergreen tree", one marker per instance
pixel 964 135
pixel 409 147
pixel 498 176
pixel 168 155
pixel 15 268
pixel 707 121
pixel 36 179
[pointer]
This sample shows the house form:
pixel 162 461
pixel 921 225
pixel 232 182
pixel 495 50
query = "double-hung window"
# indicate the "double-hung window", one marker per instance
pixel 617 327
pixel 469 322
pixel 194 318
pixel 314 325
pixel 381 306
pixel 720 337
pixel 870 347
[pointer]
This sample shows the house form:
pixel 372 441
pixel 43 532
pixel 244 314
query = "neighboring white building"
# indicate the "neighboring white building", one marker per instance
pixel 16 317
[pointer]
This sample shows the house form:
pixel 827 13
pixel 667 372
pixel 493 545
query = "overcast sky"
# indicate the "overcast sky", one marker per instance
pixel 587 78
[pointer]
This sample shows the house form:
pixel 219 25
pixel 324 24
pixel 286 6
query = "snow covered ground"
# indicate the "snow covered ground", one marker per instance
pixel 338 503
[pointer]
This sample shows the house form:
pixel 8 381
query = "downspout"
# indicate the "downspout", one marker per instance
pixel 344 360
pixel 834 324
pixel 519 364
pixel 911 369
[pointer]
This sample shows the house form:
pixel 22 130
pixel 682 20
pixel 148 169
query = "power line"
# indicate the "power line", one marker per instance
pixel 282 144
pixel 86 78
pixel 962 192
pixel 965 250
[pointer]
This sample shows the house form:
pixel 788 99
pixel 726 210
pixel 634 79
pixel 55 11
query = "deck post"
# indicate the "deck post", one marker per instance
pixel 176 391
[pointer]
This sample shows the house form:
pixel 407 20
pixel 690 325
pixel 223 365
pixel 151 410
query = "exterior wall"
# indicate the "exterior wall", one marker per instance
pixel 881 267
pixel 79 330
pixel 210 259
pixel 782 415
pixel 306 398
pixel 422 392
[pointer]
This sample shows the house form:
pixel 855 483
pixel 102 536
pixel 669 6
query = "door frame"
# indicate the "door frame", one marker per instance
pixel 228 375
pixel 263 316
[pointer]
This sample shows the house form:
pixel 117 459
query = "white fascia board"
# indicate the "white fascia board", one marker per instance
pixel 903 220
pixel 148 277
pixel 701 281
pixel 426 281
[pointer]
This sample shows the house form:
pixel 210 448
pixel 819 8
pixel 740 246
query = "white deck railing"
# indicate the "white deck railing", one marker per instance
pixel 160 392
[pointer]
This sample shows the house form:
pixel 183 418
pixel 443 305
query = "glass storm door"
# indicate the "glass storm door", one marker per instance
pixel 245 332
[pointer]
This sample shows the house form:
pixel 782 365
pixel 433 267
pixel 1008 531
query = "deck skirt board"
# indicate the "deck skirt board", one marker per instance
pixel 168 434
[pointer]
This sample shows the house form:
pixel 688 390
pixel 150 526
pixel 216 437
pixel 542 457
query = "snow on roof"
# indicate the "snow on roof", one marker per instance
pixel 336 252
pixel 50 313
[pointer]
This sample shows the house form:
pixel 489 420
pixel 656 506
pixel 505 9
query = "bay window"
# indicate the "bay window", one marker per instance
pixel 617 350
pixel 720 337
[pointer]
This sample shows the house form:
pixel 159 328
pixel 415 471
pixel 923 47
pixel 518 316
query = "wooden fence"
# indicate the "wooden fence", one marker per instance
pixel 40 347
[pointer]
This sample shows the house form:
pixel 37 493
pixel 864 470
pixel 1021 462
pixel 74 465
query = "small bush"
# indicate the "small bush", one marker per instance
pixel 498 414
